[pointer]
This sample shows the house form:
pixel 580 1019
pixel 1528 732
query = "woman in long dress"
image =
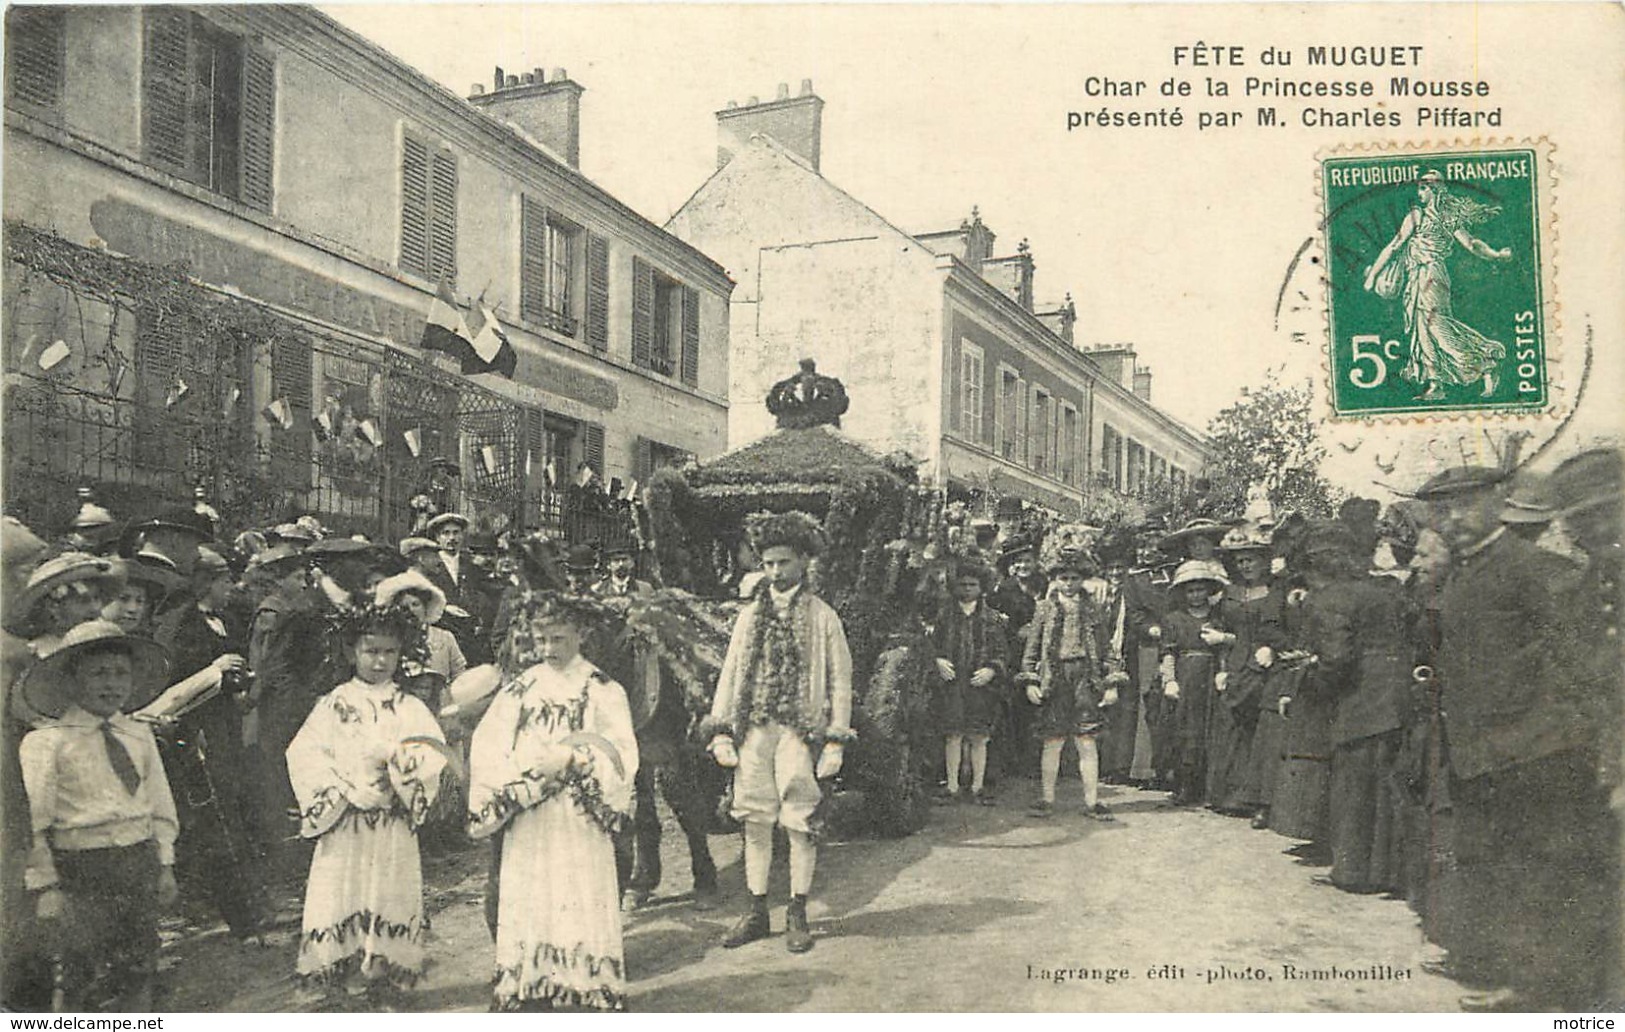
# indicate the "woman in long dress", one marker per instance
pixel 551 767
pixel 1444 350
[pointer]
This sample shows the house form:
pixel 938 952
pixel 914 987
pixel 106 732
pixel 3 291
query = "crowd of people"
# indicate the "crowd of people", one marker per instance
pixel 1427 700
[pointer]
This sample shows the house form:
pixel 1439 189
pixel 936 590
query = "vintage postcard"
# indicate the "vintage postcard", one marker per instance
pixel 766 507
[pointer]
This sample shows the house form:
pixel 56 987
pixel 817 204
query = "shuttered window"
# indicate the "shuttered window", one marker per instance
pixel 292 381
pixel 208 106
pixel 643 304
pixel 690 366
pixel 970 391
pixel 159 354
pixel 35 57
pixel 660 323
pixel 597 314
pixel 548 245
pixel 592 446
pixel 428 209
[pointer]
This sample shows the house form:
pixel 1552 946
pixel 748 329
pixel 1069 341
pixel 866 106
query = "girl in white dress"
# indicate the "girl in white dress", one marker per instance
pixel 365 768
pixel 551 768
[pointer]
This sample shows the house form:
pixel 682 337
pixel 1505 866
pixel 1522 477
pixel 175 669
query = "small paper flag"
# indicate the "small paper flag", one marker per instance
pixel 324 423
pixel 232 397
pixel 116 368
pixel 584 475
pixel 552 471
pixel 368 431
pixel 53 355
pixel 414 442
pixel 280 412
pixel 632 491
pixel 177 393
pixel 488 459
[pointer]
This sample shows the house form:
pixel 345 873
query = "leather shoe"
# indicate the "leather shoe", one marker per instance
pixel 797 936
pixel 751 927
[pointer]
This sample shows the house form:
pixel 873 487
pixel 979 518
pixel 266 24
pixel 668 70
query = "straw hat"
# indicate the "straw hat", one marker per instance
pixel 47 688
pixel 56 571
pixel 390 589
pixel 156 570
pixel 410 546
pixel 1180 539
pixel 276 560
pixel 445 519
pixel 1245 539
pixel 1193 571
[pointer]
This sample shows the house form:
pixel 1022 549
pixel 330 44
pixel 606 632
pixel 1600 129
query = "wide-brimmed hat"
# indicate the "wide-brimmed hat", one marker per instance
pixel 390 589
pixel 1179 540
pixel 410 546
pixel 1589 479
pixel 445 519
pixel 375 556
pixel 292 533
pixel 276 560
pixel 1459 480
pixel 210 564
pixel 1246 539
pixel 1529 503
pixel 64 568
pixel 1193 571
pixel 47 688
pixel 156 570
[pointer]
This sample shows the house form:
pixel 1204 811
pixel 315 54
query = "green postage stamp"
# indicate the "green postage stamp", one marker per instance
pixel 1438 281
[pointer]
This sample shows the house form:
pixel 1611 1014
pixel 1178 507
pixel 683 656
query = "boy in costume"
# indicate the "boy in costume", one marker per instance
pixel 785 697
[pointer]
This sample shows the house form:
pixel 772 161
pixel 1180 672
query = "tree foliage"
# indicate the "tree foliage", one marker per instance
pixel 1270 436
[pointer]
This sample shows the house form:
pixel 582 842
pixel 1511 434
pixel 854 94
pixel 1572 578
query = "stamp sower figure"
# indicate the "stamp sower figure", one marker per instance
pixel 551 767
pixel 104 821
pixel 970 645
pixel 1062 671
pixel 1444 350
pixel 785 696
pixel 365 769
pixel 1518 746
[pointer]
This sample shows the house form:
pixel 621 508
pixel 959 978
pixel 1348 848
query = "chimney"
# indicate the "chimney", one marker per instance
pixel 1116 361
pixel 545 107
pixel 1060 319
pixel 796 123
pixel 971 243
pixel 1013 275
pixel 1142 385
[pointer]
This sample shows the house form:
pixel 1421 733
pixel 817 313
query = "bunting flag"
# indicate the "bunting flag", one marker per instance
pixel 552 471
pixel 177 393
pixel 116 368
pixel 324 424
pixel 367 430
pixel 53 355
pixel 488 459
pixel 632 491
pixel 414 441
pixel 492 351
pixel 584 475
pixel 232 397
pixel 280 412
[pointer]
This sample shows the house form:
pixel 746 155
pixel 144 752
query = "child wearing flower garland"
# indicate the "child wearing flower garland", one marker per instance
pixel 551 767
pixel 365 768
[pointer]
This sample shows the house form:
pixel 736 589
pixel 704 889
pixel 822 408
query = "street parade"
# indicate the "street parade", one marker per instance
pixel 811 513
pixel 1421 699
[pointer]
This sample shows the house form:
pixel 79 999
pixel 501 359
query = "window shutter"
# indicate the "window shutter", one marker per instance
pixel 1019 453
pixel 642 460
pixel 534 462
pixel 691 337
pixel 597 292
pixel 443 225
pixel 998 413
pixel 256 166
pixel 165 87
pixel 592 446
pixel 35 55
pixel 532 259
pixel 414 205
pixel 643 304
pixel 291 378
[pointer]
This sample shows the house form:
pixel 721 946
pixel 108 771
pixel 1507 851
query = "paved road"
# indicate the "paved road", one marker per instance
pixel 984 910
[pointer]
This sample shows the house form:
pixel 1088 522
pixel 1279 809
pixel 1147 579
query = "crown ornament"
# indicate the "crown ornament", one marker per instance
pixel 807 399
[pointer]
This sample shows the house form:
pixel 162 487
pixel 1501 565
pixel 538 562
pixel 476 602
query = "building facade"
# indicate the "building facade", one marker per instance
pixel 943 350
pixel 224 230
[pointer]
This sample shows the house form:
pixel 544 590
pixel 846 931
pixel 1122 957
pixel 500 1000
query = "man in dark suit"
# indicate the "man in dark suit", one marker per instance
pixel 465 584
pixel 1522 777
pixel 1021 586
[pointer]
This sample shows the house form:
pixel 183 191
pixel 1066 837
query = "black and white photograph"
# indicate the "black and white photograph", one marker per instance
pixel 762 507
